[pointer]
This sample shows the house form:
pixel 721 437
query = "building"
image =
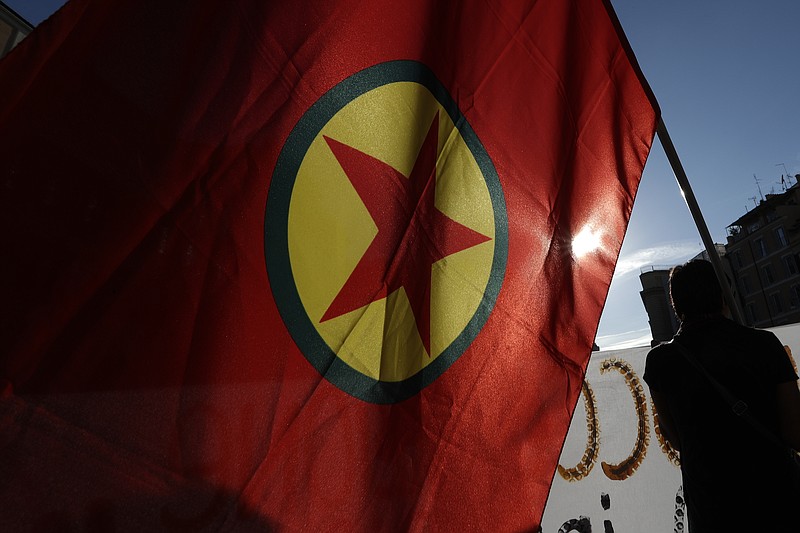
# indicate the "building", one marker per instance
pixel 655 297
pixel 13 28
pixel 762 252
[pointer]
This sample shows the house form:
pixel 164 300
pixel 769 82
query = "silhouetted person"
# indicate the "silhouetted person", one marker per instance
pixel 735 479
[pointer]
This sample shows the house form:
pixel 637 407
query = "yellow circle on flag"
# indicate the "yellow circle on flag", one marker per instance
pixel 385 233
pixel 330 229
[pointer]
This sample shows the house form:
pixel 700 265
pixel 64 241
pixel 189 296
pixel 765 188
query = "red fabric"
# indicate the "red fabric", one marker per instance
pixel 149 381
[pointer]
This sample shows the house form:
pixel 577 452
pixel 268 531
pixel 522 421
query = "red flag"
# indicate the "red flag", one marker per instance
pixel 318 266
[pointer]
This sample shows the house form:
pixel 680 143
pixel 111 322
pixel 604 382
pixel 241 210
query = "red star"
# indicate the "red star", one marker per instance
pixel 412 233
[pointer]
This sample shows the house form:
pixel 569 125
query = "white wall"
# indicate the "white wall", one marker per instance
pixel 646 499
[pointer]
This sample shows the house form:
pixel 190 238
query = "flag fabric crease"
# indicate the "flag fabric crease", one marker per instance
pixel 309 265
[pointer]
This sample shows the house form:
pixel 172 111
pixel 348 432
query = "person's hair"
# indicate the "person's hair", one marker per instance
pixel 694 289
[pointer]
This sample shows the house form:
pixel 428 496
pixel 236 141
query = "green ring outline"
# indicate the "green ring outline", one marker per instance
pixel 276 243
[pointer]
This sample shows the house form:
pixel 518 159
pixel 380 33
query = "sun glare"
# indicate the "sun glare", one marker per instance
pixel 587 240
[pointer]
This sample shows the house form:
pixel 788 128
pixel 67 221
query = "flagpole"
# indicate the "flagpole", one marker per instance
pixel 697 215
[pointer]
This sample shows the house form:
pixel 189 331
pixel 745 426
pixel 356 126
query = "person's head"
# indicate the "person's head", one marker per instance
pixel 694 290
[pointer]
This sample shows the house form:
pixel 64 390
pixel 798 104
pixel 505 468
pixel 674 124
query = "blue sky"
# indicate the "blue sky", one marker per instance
pixel 34 11
pixel 725 73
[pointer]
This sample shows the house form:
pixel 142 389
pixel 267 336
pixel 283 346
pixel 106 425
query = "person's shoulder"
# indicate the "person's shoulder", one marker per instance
pixel 657 364
pixel 664 347
pixel 754 334
pixel 660 352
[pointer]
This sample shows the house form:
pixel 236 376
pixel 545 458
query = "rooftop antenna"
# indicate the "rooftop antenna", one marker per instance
pixel 758 184
pixel 754 200
pixel 788 176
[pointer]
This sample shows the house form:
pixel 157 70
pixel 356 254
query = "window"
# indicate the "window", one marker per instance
pixel 737 259
pixel 746 289
pixel 753 226
pixel 780 235
pixel 751 312
pixel 769 279
pixel 790 263
pixel 794 297
pixel 775 302
pixel 761 248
